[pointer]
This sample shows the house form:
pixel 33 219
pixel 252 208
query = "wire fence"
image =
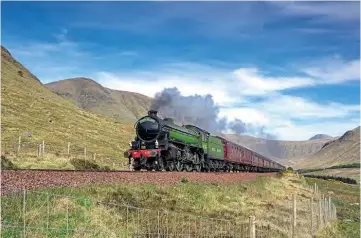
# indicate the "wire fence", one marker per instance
pixel 32 213
pixel 25 147
pixel 35 214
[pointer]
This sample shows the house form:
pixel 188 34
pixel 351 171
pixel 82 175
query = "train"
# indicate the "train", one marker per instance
pixel 162 145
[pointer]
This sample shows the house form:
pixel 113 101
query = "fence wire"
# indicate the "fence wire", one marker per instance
pixel 64 151
pixel 32 213
pixel 40 214
pixel 25 145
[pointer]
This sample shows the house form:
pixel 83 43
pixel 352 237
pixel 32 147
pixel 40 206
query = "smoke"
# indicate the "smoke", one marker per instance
pixel 238 126
pixel 202 111
pixel 197 110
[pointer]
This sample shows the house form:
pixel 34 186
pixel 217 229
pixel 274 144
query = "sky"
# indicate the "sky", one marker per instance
pixel 292 68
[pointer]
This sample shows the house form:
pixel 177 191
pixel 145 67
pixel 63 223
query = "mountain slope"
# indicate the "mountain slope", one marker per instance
pixel 320 136
pixel 89 95
pixel 279 150
pixel 343 150
pixel 29 107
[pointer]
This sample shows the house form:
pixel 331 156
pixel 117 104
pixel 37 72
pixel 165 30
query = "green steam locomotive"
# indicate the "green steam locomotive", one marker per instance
pixel 160 145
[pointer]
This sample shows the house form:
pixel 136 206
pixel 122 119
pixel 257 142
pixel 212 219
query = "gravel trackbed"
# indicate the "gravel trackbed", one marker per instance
pixel 12 180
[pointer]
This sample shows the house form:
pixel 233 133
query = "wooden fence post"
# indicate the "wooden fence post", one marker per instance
pixel 315 189
pixel 294 217
pixel 43 147
pixel 19 144
pixel 325 210
pixel 320 212
pixel 84 152
pixel 68 148
pixel 252 227
pixel 329 208
pixel 311 215
pixel 95 156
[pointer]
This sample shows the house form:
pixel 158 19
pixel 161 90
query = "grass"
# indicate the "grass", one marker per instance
pixel 347 199
pixel 268 199
pixel 30 107
pixel 342 166
pixel 353 173
pixel 7 164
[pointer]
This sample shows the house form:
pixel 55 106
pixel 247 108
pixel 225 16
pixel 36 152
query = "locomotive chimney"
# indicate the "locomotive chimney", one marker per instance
pixel 152 113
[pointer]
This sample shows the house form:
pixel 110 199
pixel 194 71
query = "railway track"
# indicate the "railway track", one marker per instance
pixel 77 170
pixel 15 180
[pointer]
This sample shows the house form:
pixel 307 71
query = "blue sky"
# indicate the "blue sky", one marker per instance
pixel 292 67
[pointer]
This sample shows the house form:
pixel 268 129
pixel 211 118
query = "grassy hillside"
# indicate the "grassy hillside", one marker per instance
pixel 89 95
pixel 31 108
pixel 281 150
pixel 343 150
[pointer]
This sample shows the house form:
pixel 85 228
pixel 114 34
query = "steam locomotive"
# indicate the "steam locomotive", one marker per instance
pixel 160 145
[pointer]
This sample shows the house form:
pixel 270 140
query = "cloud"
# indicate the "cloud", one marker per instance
pixel 226 86
pixel 295 131
pixel 297 118
pixel 328 11
pixel 333 70
pixel 60 45
pixel 229 85
pixel 300 108
pixel 235 89
pixel 149 83
pixel 247 114
pixel 212 19
pixel 252 82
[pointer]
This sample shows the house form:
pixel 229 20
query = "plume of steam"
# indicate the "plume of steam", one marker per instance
pixel 238 126
pixel 196 110
pixel 202 111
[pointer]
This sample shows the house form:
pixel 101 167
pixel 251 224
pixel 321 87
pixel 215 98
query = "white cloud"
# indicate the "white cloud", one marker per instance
pixel 226 86
pixel 295 131
pixel 149 83
pixel 247 115
pixel 295 118
pixel 333 70
pixel 286 116
pixel 301 108
pixel 254 83
pixel 329 11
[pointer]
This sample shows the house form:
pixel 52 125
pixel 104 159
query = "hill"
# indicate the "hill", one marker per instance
pixel 320 136
pixel 91 96
pixel 344 150
pixel 29 108
pixel 281 151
